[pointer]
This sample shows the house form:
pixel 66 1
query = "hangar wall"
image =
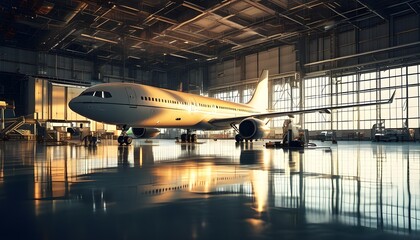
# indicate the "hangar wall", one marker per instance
pixel 49 102
pixel 327 68
pixel 74 70
pixel 54 80
pixel 354 65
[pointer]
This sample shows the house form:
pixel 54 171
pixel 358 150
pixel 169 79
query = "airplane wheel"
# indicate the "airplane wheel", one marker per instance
pixel 238 138
pixel 189 138
pixel 128 140
pixel 193 138
pixel 120 140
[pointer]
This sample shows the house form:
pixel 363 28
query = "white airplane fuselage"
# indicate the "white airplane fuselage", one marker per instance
pixel 137 105
pixel 140 106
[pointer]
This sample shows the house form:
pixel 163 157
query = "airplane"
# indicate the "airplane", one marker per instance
pixel 146 108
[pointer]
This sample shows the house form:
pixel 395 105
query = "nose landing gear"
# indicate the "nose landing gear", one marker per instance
pixel 123 138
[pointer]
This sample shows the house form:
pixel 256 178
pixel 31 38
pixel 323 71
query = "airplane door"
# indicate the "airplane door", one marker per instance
pixel 193 105
pixel 132 98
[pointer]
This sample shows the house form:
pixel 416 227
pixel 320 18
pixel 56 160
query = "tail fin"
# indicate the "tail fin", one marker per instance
pixel 260 98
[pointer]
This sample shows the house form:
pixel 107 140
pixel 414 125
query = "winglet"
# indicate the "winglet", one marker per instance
pixel 392 97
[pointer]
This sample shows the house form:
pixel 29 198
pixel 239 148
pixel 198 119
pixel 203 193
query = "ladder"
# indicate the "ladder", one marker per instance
pixel 13 126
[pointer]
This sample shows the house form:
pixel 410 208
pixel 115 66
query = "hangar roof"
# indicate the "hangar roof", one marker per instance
pixel 174 33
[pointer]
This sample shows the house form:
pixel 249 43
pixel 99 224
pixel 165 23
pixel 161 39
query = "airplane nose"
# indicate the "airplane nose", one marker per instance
pixel 73 104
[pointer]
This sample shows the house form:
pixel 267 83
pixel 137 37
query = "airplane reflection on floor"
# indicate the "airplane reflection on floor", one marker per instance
pixel 362 185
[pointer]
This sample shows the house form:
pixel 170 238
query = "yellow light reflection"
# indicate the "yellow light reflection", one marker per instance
pixel 193 180
pixel 208 179
pixel 203 177
pixel 260 187
pixel 266 158
pixel 141 156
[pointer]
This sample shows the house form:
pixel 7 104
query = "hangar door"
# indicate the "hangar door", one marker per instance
pixel 58 102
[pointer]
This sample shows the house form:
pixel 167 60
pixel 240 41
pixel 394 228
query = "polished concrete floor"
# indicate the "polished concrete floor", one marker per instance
pixel 213 190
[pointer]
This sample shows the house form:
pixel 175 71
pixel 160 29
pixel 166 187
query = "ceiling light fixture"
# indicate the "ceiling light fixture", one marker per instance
pixel 99 38
pixel 212 58
pixel 176 55
pixel 134 57
pixel 130 8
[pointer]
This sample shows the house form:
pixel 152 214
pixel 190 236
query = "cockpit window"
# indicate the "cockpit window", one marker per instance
pixel 98 94
pixel 107 95
pixel 87 94
pixel 101 94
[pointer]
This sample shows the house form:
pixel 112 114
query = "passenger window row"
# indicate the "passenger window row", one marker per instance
pixel 101 94
pixel 161 100
pixel 144 98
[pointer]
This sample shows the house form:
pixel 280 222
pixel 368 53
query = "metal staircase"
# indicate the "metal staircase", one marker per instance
pixel 19 122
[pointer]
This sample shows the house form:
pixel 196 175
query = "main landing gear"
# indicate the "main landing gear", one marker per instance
pixel 238 137
pixel 123 138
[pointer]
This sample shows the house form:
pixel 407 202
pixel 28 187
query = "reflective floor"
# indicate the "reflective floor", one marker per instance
pixel 213 190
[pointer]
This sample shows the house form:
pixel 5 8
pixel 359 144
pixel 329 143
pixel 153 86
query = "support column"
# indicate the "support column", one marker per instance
pixel 2 119
pixel 3 106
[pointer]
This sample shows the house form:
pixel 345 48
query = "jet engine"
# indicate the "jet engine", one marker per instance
pixel 252 128
pixel 144 132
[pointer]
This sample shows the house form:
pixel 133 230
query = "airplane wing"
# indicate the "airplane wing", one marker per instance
pixel 236 120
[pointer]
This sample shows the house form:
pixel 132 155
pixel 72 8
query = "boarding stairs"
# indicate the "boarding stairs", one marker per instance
pixel 13 127
pixel 15 124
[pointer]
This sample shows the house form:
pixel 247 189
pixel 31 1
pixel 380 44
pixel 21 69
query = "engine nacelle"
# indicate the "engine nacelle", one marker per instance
pixel 252 128
pixel 144 132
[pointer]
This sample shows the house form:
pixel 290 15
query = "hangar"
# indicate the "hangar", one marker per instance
pixel 56 182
